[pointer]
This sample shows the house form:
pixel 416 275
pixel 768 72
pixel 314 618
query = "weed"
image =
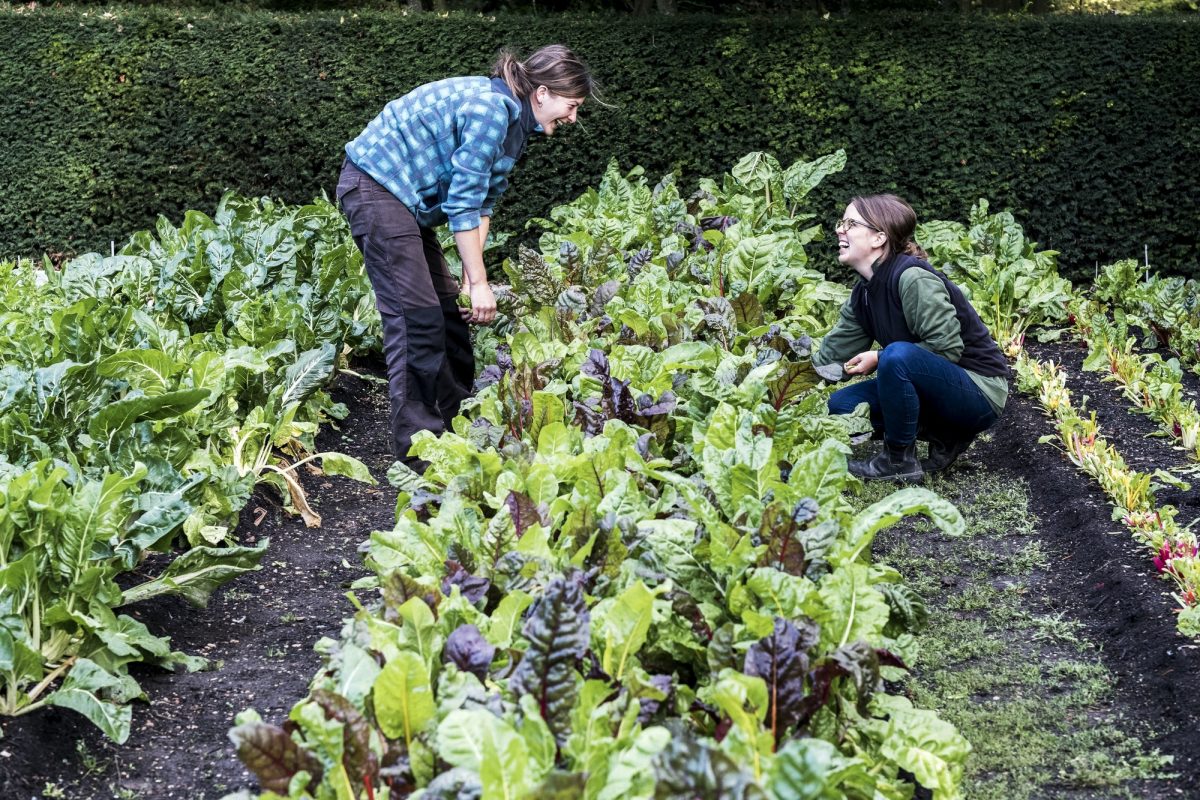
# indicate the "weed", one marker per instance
pixel 91 762
pixel 1056 627
pixel 999 507
pixel 1030 557
pixel 1090 679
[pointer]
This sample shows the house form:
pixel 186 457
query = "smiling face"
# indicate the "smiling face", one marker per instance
pixel 552 110
pixel 859 243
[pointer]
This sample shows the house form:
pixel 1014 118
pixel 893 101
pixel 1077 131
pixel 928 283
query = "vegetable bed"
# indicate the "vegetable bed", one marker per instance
pixel 638 567
pixel 264 636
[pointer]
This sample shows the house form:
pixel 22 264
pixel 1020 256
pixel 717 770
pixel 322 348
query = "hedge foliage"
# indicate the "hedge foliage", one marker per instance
pixel 1085 128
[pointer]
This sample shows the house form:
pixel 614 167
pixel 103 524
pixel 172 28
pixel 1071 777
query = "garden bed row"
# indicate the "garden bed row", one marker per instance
pixel 144 395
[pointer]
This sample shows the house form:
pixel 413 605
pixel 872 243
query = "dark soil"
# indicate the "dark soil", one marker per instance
pixel 263 626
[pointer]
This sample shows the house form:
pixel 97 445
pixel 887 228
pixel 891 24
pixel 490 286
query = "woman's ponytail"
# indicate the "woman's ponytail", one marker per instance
pixel 513 72
pixel 911 248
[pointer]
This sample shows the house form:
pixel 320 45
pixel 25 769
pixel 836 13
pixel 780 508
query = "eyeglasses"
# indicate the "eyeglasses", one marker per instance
pixel 844 225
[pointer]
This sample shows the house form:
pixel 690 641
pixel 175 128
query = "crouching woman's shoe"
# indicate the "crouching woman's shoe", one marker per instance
pixel 944 451
pixel 893 463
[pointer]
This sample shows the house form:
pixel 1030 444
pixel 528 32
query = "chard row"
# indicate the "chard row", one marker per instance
pixel 142 397
pixel 629 570
pixel 1152 384
pixel 1172 547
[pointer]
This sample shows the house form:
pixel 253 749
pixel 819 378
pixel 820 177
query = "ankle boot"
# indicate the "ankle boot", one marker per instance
pixel 944 451
pixel 894 462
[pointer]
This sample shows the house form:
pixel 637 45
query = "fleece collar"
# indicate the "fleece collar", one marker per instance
pixel 526 124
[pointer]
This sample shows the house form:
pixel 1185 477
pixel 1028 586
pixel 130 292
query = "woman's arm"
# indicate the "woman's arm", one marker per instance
pixel 930 314
pixel 847 339
pixel 475 282
pixel 483 124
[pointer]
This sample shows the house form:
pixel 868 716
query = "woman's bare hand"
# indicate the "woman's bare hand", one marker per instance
pixel 862 364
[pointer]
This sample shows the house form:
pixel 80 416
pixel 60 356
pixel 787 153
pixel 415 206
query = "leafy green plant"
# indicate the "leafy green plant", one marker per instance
pixel 143 395
pixel 1011 284
pixel 1164 307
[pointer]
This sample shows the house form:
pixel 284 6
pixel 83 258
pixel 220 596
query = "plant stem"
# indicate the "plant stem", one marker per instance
pixel 49 679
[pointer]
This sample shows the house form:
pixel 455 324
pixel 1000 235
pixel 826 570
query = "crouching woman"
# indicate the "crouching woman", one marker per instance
pixel 938 374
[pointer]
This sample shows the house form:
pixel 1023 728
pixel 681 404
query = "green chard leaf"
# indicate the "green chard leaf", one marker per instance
pixel 403 696
pixel 100 696
pixel 483 743
pixel 196 574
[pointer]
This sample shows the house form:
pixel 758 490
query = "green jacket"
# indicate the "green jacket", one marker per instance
pixel 930 316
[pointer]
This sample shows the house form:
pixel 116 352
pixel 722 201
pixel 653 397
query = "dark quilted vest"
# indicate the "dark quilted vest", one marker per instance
pixel 876 306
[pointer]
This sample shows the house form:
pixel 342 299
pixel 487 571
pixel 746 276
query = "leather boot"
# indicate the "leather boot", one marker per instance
pixel 944 451
pixel 894 462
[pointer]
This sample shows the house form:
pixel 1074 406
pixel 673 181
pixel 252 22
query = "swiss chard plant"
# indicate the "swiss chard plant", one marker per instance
pixel 1165 308
pixel 1012 284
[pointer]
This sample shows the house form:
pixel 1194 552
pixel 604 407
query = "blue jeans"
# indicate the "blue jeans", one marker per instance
pixel 914 387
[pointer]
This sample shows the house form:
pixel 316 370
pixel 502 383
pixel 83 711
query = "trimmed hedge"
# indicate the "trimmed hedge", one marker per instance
pixel 1084 127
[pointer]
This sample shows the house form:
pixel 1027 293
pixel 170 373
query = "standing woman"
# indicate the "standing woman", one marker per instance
pixel 939 371
pixel 442 153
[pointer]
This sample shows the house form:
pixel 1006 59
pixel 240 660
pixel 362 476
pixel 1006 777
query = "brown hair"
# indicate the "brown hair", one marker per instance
pixel 553 66
pixel 895 219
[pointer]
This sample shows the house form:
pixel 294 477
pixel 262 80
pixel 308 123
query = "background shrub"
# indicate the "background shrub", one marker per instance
pixel 1084 127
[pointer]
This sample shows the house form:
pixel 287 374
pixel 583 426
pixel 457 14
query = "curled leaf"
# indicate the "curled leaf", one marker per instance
pixel 469 651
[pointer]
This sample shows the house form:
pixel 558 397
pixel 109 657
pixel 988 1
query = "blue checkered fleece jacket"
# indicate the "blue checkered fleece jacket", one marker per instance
pixel 439 149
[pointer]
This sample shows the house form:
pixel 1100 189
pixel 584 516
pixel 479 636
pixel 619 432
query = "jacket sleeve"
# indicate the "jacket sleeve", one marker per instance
pixel 482 125
pixel 493 195
pixel 930 314
pixel 845 340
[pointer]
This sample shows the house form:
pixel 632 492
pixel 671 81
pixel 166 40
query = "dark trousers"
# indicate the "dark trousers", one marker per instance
pixel 430 363
pixel 916 388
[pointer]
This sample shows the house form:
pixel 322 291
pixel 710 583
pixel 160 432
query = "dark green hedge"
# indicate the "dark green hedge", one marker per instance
pixel 1085 128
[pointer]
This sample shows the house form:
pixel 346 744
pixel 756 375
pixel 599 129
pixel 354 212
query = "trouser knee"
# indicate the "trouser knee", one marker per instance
pixel 894 359
pixel 841 402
